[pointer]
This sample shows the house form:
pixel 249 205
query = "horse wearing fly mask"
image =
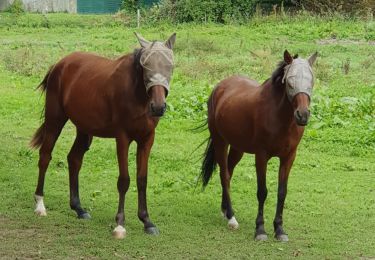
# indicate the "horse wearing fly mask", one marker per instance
pixel 263 119
pixel 121 99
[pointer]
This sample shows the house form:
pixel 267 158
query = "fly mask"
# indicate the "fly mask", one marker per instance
pixel 298 78
pixel 157 62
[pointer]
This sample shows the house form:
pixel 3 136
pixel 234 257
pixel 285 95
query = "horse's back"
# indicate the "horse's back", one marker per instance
pixel 86 65
pixel 233 110
pixel 234 92
pixel 87 69
pixel 85 85
pixel 237 81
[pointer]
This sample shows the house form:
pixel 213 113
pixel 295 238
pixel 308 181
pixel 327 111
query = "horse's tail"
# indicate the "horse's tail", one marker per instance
pixel 43 85
pixel 209 163
pixel 38 136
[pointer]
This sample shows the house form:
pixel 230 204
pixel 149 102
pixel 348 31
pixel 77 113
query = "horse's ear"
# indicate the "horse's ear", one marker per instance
pixel 170 42
pixel 287 57
pixel 312 58
pixel 142 41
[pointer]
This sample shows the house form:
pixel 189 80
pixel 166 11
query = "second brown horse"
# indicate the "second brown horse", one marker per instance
pixel 266 120
pixel 121 99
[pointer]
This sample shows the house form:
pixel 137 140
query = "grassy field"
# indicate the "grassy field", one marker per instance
pixel 330 207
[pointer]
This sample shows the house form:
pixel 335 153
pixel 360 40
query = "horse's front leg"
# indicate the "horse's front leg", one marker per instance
pixel 261 161
pixel 122 143
pixel 284 169
pixel 143 152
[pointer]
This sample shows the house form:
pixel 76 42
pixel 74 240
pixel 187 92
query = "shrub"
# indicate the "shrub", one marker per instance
pixel 130 5
pixel 197 11
pixel 16 7
pixel 224 11
pixel 352 7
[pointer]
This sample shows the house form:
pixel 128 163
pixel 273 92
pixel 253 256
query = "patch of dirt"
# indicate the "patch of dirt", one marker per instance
pixel 14 240
pixel 338 41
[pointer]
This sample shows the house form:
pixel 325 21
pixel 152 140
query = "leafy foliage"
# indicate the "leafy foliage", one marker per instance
pixel 229 11
pixel 130 6
pixel 16 7
pixel 353 7
pixel 205 11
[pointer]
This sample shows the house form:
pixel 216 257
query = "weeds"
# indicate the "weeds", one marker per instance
pixel 26 61
pixel 345 66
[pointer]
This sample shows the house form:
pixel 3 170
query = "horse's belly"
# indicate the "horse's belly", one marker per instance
pixel 240 141
pixel 92 127
pixel 90 119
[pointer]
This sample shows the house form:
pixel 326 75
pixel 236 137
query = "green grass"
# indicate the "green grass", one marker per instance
pixel 330 207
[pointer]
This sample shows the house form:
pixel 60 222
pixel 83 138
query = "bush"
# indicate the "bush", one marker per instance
pixel 130 5
pixel 351 7
pixel 205 10
pixel 224 11
pixel 16 7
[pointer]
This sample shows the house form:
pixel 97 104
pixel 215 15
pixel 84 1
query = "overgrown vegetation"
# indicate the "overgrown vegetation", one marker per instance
pixel 330 189
pixel 16 7
pixel 238 11
pixel 351 7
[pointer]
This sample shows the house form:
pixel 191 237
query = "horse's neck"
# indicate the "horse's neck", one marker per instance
pixel 281 106
pixel 132 76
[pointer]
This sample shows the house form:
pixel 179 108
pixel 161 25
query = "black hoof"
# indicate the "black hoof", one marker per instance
pixel 84 216
pixel 152 231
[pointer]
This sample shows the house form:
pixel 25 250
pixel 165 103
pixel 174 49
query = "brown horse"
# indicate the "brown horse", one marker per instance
pixel 121 99
pixel 266 120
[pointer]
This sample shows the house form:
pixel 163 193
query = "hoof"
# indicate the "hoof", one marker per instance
pixel 261 237
pixel 233 224
pixel 152 231
pixel 84 216
pixel 40 212
pixel 282 238
pixel 40 209
pixel 119 232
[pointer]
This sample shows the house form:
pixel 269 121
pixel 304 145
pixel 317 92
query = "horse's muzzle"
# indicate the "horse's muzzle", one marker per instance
pixel 158 111
pixel 302 117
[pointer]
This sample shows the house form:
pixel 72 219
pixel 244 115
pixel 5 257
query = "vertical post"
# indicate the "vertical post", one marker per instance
pixel 138 18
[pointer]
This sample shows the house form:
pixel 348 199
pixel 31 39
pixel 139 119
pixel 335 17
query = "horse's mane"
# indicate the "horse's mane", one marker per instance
pixel 137 59
pixel 278 74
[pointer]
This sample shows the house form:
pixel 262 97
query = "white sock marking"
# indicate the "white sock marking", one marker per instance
pixel 119 232
pixel 232 223
pixel 40 209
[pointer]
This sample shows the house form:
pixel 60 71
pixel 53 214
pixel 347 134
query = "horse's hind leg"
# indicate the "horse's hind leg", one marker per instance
pixel 50 130
pixel 233 159
pixel 75 157
pixel 221 156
